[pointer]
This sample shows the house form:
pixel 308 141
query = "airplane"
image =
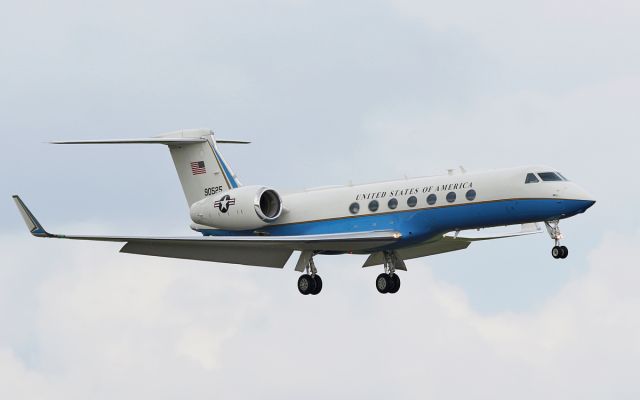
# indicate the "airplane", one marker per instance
pixel 391 222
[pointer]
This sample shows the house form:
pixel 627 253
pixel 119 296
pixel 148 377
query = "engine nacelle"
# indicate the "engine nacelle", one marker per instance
pixel 247 207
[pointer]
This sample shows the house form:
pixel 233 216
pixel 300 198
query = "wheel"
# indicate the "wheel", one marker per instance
pixel 556 252
pixel 317 284
pixel 395 284
pixel 306 284
pixel 383 282
pixel 564 252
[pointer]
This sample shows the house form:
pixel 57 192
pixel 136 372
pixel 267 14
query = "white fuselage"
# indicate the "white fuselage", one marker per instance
pixel 422 207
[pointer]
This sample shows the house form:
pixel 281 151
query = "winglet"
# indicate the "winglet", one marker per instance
pixel 34 226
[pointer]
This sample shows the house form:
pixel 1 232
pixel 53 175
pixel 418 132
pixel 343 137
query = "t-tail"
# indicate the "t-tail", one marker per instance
pixel 200 166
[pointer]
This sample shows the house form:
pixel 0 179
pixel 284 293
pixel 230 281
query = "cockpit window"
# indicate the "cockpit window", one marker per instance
pixel 531 178
pixel 562 176
pixel 549 176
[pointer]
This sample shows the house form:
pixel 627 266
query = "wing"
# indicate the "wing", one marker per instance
pixel 266 251
pixel 476 235
pixel 438 246
pixel 452 241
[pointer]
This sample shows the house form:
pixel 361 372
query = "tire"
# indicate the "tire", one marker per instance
pixel 564 252
pixel 383 283
pixel 317 284
pixel 306 284
pixel 556 252
pixel 395 283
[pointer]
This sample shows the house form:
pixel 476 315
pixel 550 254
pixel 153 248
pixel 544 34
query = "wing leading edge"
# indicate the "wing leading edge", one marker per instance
pixel 267 251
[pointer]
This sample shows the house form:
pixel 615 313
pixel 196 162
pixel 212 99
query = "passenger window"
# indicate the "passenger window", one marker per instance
pixel 431 199
pixel 354 208
pixel 412 201
pixel 451 197
pixel 393 203
pixel 549 176
pixel 471 195
pixel 531 178
pixel 373 205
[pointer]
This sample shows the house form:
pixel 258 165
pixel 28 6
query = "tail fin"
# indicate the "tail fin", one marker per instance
pixel 201 168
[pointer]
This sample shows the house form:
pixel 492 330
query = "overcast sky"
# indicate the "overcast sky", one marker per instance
pixel 329 92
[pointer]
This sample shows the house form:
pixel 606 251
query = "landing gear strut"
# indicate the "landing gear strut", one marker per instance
pixel 389 281
pixel 310 282
pixel 557 251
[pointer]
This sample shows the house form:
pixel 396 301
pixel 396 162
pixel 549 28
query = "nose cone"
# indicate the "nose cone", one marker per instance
pixel 587 204
pixel 576 200
pixel 583 199
pixel 576 192
pixel 586 197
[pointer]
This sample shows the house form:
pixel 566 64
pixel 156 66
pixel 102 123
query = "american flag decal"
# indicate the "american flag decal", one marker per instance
pixel 197 168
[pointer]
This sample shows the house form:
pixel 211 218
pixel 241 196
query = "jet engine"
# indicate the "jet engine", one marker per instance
pixel 247 207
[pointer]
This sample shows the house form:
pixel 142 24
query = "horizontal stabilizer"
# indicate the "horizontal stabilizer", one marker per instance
pixel 167 141
pixel 198 161
pixel 159 140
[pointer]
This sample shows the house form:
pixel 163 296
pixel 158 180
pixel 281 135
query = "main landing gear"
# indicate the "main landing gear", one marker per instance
pixel 558 251
pixel 389 281
pixel 310 282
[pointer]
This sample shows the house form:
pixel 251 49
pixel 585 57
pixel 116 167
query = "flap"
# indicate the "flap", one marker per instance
pixel 262 257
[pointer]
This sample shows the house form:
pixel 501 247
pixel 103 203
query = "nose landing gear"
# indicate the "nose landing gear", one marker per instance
pixel 389 281
pixel 558 251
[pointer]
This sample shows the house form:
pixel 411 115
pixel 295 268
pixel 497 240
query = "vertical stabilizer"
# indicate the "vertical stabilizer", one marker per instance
pixel 201 168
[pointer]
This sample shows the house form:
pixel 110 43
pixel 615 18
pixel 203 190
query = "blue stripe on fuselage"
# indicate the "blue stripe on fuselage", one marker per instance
pixel 424 223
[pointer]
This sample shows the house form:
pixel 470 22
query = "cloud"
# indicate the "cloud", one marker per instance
pixel 104 325
pixel 527 30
